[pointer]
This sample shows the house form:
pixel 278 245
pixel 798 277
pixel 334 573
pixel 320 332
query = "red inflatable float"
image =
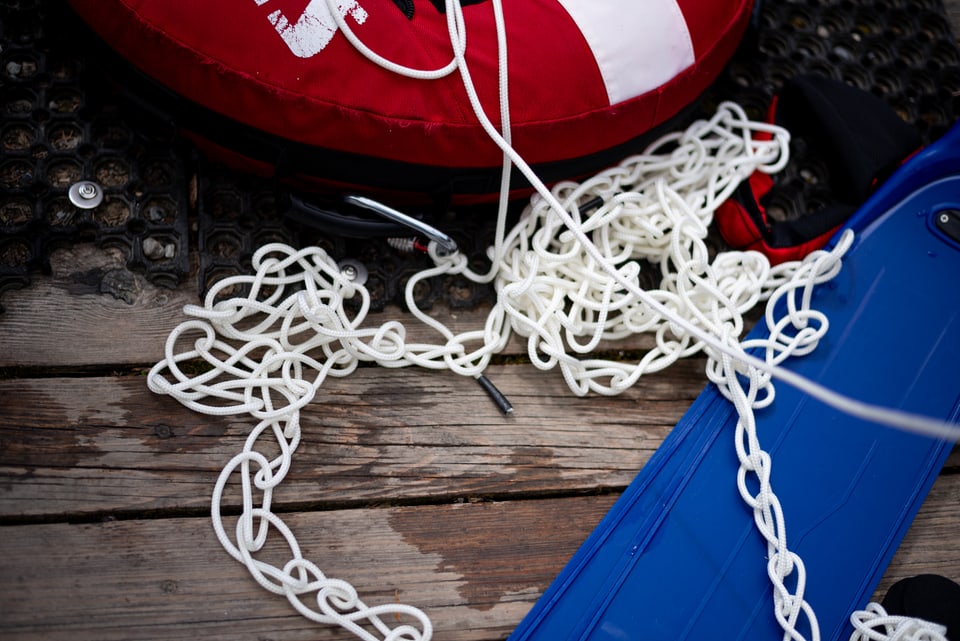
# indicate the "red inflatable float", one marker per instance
pixel 281 87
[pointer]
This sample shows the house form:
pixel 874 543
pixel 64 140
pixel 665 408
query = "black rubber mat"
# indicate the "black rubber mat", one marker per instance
pixel 61 125
pixel 237 215
pixel 903 51
pixel 64 122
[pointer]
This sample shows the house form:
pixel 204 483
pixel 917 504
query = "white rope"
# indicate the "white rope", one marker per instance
pixel 270 350
pixel 656 210
pixel 458 38
pixel 874 624
pixel 566 279
pixel 797 332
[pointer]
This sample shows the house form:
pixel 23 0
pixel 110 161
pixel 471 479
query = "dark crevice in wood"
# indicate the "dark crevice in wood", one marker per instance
pixel 292 507
pixel 73 371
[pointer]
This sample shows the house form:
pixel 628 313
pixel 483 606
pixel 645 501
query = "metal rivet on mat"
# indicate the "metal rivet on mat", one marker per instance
pixel 85 194
pixel 354 270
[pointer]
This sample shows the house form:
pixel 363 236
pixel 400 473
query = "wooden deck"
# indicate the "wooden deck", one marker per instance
pixel 409 483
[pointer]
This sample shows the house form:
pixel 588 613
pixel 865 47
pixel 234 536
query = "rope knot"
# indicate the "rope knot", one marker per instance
pixel 874 624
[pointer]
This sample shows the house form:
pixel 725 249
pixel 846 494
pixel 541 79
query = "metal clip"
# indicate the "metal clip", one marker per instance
pixel 445 242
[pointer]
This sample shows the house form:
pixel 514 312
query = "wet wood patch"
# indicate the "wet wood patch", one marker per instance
pixel 476 568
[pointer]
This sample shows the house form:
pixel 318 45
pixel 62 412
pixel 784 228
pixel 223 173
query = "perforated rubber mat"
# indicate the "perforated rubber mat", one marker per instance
pixel 60 125
pixel 63 122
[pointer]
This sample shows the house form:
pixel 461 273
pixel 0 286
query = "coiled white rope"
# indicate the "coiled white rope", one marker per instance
pixel 795 333
pixel 270 350
pixel 874 624
pixel 566 279
pixel 656 209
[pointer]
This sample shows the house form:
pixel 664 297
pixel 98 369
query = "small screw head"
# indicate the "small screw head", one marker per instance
pixel 353 270
pixel 87 190
pixel 85 194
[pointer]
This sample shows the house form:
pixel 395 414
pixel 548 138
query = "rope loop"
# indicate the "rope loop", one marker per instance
pixel 874 624
pixel 268 350
pixel 567 278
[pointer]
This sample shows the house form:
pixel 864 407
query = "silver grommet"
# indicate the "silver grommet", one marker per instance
pixel 85 194
pixel 353 270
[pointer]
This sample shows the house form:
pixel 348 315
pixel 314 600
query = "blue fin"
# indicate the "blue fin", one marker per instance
pixel 678 557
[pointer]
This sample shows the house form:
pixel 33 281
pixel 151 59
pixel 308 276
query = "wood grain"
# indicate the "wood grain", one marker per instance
pixel 75 446
pixel 476 568
pixel 408 483
pixel 92 311
pixel 168 578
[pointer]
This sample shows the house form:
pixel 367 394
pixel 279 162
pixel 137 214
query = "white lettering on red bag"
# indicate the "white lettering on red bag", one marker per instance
pixel 315 27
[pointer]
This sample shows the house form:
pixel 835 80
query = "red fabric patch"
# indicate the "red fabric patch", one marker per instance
pixel 708 22
pixel 736 226
pixel 740 231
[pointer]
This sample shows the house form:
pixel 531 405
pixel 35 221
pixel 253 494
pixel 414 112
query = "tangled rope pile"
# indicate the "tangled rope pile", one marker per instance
pixel 655 208
pixel 269 351
pixel 566 277
pixel 874 624
pixel 794 333
pixel 652 210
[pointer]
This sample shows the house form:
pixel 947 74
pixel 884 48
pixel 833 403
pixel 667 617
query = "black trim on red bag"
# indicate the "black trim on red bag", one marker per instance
pixel 441 5
pixel 406 7
pixel 860 139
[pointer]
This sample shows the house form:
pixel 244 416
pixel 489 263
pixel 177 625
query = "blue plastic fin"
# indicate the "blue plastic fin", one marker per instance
pixel 678 556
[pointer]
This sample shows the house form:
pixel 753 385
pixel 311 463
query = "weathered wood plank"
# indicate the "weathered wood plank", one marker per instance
pixel 92 311
pixel 169 579
pixel 953 15
pixel 931 545
pixel 476 568
pixel 80 445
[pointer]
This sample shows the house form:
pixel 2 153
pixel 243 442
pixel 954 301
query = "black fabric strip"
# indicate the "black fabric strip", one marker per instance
pixel 405 6
pixel 927 596
pixel 442 6
pixel 859 136
pixel 790 233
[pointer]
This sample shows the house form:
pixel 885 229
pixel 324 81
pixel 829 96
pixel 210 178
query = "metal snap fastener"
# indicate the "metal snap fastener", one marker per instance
pixel 353 270
pixel 85 194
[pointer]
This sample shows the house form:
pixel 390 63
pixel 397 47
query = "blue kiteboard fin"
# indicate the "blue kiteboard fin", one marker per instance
pixel 678 556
